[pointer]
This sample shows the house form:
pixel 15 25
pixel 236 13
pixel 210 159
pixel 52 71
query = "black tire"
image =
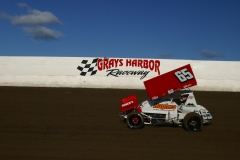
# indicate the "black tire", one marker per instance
pixel 135 120
pixel 193 122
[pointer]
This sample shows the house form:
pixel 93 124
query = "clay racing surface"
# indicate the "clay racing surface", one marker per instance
pixel 67 123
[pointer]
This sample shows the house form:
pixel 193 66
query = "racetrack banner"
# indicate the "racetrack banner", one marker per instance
pixel 119 67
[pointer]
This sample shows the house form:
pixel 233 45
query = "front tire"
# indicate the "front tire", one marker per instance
pixel 193 122
pixel 135 120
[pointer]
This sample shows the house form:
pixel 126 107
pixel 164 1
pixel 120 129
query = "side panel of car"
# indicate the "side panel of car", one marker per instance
pixel 168 108
pixel 188 108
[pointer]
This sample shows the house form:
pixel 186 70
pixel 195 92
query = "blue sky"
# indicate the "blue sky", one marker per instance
pixel 162 29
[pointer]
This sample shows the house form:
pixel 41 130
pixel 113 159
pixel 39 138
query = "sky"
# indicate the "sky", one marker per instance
pixel 158 29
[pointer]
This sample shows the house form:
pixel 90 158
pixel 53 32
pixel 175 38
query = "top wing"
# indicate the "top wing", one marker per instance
pixel 170 82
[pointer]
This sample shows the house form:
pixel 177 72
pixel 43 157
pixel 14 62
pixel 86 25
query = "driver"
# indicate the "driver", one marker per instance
pixel 183 99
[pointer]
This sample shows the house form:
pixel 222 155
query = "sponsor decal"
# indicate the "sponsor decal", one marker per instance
pixel 187 86
pixel 145 102
pixel 128 103
pixel 155 97
pixel 170 91
pixel 119 67
pixel 165 106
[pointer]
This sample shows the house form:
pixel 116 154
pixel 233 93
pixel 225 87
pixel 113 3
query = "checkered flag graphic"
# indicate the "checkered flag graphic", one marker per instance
pixel 88 67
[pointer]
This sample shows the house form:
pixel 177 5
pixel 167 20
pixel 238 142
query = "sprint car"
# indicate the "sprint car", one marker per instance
pixel 162 107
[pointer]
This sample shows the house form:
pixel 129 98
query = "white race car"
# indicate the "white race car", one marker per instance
pixel 161 108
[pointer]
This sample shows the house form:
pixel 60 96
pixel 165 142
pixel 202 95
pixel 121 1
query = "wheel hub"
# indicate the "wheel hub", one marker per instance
pixel 135 120
pixel 193 123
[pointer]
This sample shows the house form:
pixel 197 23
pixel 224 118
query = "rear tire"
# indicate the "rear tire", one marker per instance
pixel 193 122
pixel 135 120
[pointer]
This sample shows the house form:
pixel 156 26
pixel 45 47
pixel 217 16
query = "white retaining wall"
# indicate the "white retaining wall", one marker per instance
pixel 63 72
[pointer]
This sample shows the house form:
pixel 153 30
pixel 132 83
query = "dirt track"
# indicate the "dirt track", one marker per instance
pixel 67 123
